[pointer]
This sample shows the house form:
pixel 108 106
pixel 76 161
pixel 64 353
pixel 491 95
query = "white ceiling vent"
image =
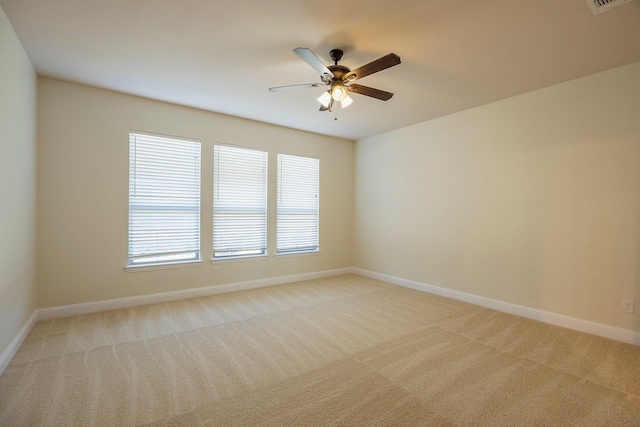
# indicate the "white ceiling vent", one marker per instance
pixel 599 6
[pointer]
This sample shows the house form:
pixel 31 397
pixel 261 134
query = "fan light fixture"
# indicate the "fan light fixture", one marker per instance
pixel 337 93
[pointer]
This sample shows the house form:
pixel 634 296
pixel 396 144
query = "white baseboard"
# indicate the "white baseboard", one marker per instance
pixel 619 334
pixel 17 341
pixel 117 303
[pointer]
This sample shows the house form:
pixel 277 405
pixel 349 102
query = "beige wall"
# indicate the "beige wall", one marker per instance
pixel 534 200
pixel 83 193
pixel 17 185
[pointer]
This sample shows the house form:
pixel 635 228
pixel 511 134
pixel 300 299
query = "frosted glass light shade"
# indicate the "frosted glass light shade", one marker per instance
pixel 346 101
pixel 338 92
pixel 325 99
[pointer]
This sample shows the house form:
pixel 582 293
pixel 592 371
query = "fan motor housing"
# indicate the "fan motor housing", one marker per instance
pixel 338 70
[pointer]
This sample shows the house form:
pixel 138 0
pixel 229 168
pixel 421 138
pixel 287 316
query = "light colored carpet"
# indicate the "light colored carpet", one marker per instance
pixel 341 351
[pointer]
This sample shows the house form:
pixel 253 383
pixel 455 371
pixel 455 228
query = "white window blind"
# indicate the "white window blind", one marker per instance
pixel 164 200
pixel 239 202
pixel 297 212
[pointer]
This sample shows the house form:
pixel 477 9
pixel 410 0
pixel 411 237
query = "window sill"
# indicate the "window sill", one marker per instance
pixel 165 266
pixel 296 254
pixel 240 259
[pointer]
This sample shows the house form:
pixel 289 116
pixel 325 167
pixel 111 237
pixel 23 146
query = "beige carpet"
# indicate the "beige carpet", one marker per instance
pixel 340 351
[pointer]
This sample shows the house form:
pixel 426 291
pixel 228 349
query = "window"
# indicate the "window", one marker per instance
pixel 239 202
pixel 297 212
pixel 164 200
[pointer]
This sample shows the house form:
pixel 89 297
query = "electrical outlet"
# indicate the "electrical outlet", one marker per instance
pixel 627 306
pixel 216 269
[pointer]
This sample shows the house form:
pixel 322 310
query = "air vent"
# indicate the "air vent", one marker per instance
pixel 599 6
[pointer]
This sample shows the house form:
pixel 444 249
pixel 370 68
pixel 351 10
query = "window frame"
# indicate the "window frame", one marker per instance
pixel 279 185
pixel 246 253
pixel 187 200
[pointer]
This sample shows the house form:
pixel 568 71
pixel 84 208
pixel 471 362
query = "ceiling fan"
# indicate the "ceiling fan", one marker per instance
pixel 340 78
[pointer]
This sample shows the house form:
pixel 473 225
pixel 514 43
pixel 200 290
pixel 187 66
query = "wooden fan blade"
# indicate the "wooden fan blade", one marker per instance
pixel 290 87
pixel 379 64
pixel 311 59
pixel 369 91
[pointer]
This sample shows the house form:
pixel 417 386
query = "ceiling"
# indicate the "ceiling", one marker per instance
pixel 223 55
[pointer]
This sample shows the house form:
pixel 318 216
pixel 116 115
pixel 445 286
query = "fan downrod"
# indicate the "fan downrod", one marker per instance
pixel 336 55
